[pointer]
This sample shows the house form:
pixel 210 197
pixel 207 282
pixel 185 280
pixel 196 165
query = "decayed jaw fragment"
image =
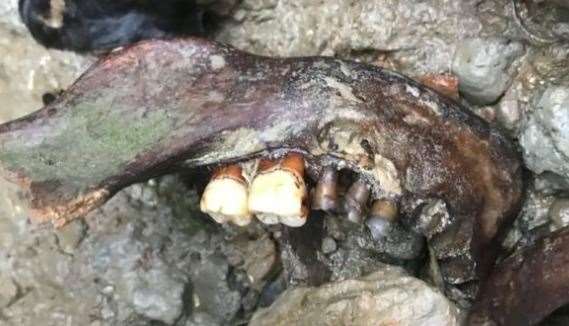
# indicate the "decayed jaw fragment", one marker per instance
pixel 225 198
pixel 278 192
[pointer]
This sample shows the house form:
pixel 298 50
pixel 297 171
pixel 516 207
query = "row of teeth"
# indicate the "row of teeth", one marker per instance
pixel 278 194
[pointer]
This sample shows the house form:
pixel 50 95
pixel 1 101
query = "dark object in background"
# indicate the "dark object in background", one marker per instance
pixel 102 25
pixel 526 287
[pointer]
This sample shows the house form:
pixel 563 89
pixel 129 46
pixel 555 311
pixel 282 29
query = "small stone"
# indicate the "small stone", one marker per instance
pixel 161 301
pixel 71 235
pixel 212 292
pixel 545 136
pixel 260 260
pixel 483 67
pixel 559 213
pixel 550 183
pixel 329 245
pixel 508 111
pixel 256 256
pixel 108 289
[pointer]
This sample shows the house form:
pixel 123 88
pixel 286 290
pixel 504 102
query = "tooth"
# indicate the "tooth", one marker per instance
pixel 278 192
pixel 384 209
pixel 225 198
pixel 355 201
pixel 382 216
pixel 326 195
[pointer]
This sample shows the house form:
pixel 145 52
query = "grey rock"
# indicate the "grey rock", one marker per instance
pixel 159 297
pixel 255 254
pixel 211 292
pixel 9 16
pixel 559 213
pixel 8 290
pixel 484 67
pixel 509 110
pixel 27 70
pixel 201 319
pixel 388 296
pixel 329 245
pixel 545 136
pixel 70 236
pixel 550 183
pixel 533 221
pixel 417 37
pixel 131 263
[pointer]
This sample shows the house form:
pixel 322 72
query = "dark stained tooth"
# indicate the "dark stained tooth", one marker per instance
pixel 355 201
pixel 384 209
pixel 383 215
pixel 326 193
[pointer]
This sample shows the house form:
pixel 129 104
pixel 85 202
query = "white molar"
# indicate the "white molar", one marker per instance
pixel 278 195
pixel 225 199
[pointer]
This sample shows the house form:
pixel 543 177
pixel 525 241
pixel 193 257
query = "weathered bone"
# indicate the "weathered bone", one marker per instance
pixel 148 109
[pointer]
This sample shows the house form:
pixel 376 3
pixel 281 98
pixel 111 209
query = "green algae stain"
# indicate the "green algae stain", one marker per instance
pixel 95 141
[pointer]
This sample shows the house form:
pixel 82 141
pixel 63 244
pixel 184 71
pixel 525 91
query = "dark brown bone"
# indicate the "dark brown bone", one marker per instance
pixel 527 286
pixel 150 108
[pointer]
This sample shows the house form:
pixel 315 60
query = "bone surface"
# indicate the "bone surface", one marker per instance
pixel 278 192
pixel 225 198
pixel 326 192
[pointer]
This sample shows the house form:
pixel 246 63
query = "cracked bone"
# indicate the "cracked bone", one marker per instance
pixel 225 198
pixel 278 192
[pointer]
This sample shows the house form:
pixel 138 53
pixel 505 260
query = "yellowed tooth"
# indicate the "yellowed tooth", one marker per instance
pixel 278 192
pixel 225 198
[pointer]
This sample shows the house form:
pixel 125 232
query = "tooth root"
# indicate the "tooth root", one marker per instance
pixel 225 198
pixel 382 215
pixel 326 193
pixel 355 201
pixel 278 192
